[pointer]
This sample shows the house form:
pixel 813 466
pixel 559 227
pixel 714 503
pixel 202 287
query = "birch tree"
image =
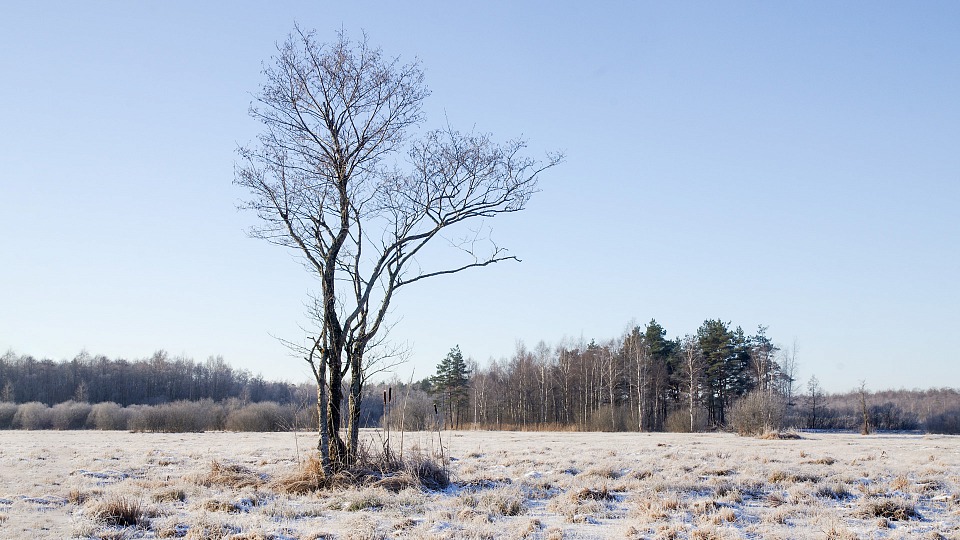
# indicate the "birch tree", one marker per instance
pixel 337 177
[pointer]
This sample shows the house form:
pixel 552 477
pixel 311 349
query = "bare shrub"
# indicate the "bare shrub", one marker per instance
pixel 605 419
pixel 7 412
pixel 144 418
pixel 69 415
pixel 263 416
pixel 33 415
pixel 757 413
pixel 178 417
pixel 679 421
pixel 108 416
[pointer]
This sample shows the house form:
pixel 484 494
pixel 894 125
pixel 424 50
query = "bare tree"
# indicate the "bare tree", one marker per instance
pixel 865 427
pixel 788 370
pixel 815 401
pixel 325 181
pixel 692 367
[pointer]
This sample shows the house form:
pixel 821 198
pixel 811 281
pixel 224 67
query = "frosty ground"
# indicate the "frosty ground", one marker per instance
pixel 505 485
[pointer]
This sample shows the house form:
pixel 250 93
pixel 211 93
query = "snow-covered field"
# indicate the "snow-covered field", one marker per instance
pixel 506 485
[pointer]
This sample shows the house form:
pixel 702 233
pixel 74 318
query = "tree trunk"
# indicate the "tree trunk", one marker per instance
pixel 337 447
pixel 353 410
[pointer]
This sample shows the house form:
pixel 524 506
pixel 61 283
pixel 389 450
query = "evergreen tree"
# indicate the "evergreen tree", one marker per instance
pixel 452 384
pixel 717 347
pixel 663 373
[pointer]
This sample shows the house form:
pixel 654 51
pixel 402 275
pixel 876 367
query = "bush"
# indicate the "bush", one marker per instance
pixel 603 419
pixel 177 417
pixel 108 416
pixel 69 415
pixel 679 421
pixel 33 415
pixel 757 413
pixel 7 412
pixel 264 416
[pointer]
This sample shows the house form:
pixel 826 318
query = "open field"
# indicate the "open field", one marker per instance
pixel 93 484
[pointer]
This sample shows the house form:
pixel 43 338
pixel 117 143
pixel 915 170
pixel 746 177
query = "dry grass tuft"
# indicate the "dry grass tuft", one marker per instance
pixel 892 509
pixel 703 507
pixel 781 477
pixel 78 497
pixel 215 505
pixel 601 494
pixel 780 436
pixel 839 532
pixel 120 511
pixel 372 498
pixel 206 530
pixel 723 515
pixel 604 472
pixel 837 492
pixel 170 495
pixel 822 461
pixel 308 478
pixel 899 483
pixel 235 476
pixel 707 533
pixel 382 471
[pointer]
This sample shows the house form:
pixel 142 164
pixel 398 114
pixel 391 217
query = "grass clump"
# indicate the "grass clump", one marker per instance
pixel 837 492
pixel 891 509
pixel 120 511
pixel 235 476
pixel 370 470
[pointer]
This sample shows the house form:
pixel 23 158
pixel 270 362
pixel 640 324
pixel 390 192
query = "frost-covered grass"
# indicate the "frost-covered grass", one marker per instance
pixel 506 485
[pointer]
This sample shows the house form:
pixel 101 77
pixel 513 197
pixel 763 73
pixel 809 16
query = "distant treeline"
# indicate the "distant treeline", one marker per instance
pixel 585 387
pixel 150 381
pixel 936 410
pixel 931 411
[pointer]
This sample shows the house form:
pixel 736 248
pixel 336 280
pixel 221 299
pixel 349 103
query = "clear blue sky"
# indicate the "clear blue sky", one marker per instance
pixel 795 165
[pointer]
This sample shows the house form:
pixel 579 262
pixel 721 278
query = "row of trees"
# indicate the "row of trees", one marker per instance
pixel 645 381
pixel 153 380
pixel 641 380
pixel 461 395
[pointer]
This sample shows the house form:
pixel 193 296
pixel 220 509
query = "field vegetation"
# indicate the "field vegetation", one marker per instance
pixel 491 485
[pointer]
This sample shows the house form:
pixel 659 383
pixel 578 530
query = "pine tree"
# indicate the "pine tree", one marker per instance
pixel 452 384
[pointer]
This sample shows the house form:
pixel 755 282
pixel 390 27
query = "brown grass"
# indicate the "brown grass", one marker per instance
pixel 170 495
pixel 601 494
pixel 120 511
pixel 780 436
pixel 391 474
pixel 235 476
pixel 891 509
